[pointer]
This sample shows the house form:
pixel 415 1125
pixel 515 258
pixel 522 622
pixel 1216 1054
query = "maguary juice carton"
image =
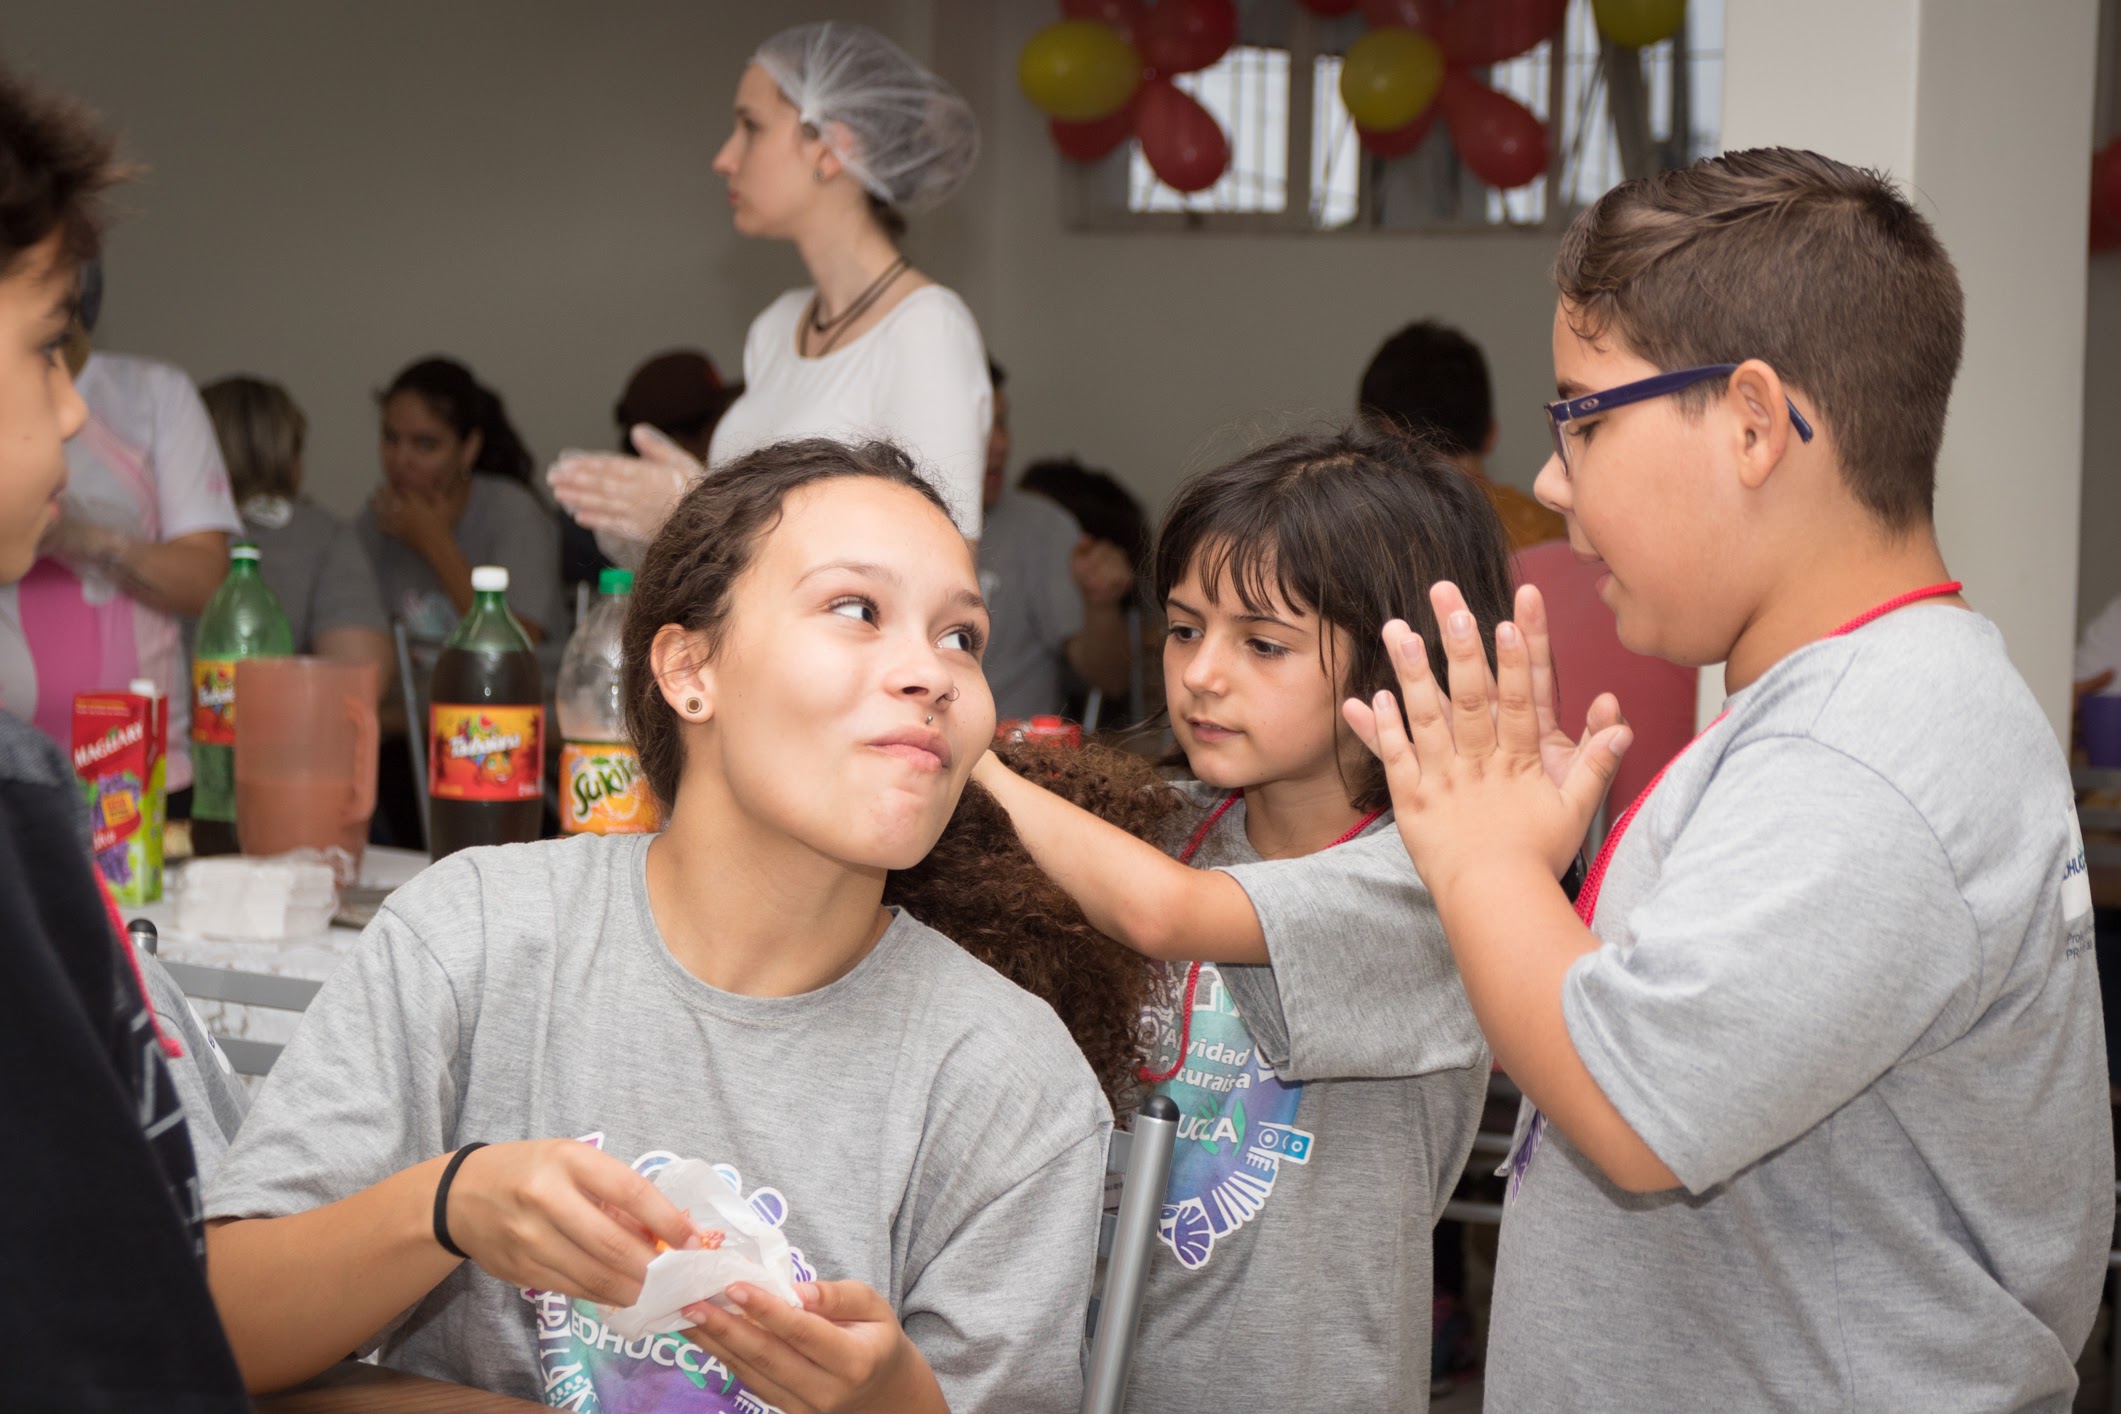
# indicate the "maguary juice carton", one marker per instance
pixel 120 739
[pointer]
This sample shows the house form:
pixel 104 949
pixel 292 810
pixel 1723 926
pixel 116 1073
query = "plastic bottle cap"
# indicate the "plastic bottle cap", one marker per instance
pixel 143 687
pixel 243 550
pixel 615 581
pixel 489 579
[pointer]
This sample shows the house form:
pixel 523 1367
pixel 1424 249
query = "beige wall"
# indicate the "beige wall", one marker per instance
pixel 338 188
pixel 2099 554
pixel 1982 111
pixel 1137 350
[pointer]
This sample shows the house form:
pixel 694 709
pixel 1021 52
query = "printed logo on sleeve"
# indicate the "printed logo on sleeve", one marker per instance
pixel 591 1369
pixel 2076 892
pixel 1236 1123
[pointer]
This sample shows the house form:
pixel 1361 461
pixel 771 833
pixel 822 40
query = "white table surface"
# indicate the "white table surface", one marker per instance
pixel 313 956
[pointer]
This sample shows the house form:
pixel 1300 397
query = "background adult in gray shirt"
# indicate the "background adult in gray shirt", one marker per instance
pixel 1056 596
pixel 312 560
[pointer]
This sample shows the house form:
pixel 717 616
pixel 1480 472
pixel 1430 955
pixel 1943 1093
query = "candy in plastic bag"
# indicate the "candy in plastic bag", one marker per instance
pixel 752 1250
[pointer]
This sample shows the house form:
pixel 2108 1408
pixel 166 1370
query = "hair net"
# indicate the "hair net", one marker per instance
pixel 904 133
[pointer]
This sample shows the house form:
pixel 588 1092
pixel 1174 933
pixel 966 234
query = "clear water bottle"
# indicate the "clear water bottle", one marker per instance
pixel 602 790
pixel 242 620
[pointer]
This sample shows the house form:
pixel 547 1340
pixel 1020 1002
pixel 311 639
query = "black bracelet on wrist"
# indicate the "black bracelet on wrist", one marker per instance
pixel 449 1176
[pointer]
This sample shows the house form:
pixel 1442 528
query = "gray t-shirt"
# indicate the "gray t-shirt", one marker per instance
pixel 920 1124
pixel 503 524
pixel 1033 604
pixel 317 569
pixel 1327 1106
pixel 1846 994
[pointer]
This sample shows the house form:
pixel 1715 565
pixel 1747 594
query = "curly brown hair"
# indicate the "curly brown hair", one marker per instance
pixel 980 888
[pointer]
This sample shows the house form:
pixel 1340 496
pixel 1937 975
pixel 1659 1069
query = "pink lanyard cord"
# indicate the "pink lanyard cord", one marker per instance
pixel 1185 856
pixel 1594 881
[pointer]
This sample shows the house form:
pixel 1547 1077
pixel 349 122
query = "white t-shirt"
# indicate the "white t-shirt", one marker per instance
pixel 145 464
pixel 919 378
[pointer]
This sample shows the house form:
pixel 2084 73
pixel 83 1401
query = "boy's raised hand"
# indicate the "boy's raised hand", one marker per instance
pixel 843 1352
pixel 1557 748
pixel 1480 775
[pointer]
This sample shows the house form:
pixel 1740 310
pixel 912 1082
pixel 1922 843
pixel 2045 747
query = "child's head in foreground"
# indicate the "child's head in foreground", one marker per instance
pixel 1279 571
pixel 54 166
pixel 1833 298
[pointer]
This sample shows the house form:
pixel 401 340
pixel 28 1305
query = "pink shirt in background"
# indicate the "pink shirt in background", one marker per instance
pixel 146 464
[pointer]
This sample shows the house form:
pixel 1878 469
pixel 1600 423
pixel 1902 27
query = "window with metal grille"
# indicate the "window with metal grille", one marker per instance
pixel 1296 163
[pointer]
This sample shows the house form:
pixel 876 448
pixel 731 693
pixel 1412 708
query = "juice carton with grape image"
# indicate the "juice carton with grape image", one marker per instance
pixel 119 740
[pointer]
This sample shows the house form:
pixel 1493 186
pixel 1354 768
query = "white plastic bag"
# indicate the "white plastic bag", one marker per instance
pixel 752 1250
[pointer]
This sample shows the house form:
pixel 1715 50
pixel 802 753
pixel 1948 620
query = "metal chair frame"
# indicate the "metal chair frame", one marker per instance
pixel 1127 1241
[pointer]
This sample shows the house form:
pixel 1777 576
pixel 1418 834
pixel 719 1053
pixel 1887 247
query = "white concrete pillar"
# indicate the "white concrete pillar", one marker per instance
pixel 1983 112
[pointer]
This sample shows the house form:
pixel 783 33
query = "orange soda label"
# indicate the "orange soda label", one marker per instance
pixel 213 701
pixel 478 751
pixel 602 791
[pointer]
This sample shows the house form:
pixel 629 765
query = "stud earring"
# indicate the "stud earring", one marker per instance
pixel 817 174
pixel 693 706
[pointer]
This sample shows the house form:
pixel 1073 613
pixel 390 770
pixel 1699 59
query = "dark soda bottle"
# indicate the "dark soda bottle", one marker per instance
pixel 486 728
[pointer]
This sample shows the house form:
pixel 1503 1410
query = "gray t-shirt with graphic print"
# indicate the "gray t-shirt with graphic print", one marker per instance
pixel 1327 1105
pixel 920 1124
pixel 1846 993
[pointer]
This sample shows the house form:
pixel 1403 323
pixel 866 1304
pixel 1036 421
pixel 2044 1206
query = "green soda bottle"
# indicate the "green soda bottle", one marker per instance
pixel 242 620
pixel 485 728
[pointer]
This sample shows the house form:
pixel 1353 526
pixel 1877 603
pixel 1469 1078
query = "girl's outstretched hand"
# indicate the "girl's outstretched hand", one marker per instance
pixel 561 1215
pixel 1476 775
pixel 844 1352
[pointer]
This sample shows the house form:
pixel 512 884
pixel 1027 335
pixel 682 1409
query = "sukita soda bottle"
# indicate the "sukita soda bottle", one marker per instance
pixel 486 728
pixel 242 620
pixel 602 790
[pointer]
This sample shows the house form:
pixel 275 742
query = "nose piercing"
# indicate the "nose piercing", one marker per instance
pixel 928 720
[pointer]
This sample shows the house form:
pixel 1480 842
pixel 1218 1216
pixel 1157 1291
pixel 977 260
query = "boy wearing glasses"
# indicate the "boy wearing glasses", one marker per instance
pixel 1816 1114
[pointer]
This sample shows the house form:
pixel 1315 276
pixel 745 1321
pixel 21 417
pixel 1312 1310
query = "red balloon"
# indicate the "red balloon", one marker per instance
pixel 2106 185
pixel 1329 8
pixel 1399 141
pixel 1185 146
pixel 1087 142
pixel 1123 15
pixel 1181 36
pixel 1422 15
pixel 1477 32
pixel 1499 139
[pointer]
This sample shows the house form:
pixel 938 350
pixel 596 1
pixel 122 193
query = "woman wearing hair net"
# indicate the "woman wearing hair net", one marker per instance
pixel 839 136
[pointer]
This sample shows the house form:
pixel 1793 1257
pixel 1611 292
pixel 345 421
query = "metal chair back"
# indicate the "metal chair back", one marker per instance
pixel 1127 1241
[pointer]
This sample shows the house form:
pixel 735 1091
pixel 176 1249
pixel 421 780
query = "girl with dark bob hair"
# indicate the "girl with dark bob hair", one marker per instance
pixel 1328 1072
pixel 453 1159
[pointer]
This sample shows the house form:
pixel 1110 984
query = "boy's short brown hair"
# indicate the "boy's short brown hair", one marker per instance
pixel 1823 271
pixel 56 161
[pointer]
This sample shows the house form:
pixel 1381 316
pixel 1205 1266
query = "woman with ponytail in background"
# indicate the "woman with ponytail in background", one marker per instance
pixel 456 493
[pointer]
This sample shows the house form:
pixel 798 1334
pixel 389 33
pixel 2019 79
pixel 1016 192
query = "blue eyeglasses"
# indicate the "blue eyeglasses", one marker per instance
pixel 1567 410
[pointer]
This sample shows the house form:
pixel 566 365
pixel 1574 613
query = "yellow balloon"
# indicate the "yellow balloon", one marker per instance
pixel 1390 78
pixel 1079 71
pixel 1634 23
